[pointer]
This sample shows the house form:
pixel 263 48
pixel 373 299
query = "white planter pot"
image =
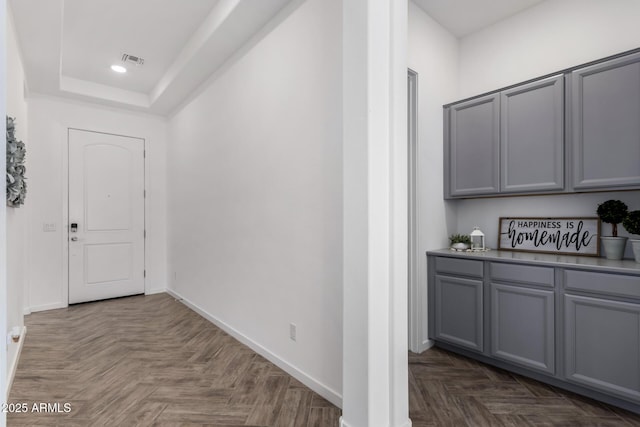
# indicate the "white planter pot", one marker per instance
pixel 614 247
pixel 460 246
pixel 635 244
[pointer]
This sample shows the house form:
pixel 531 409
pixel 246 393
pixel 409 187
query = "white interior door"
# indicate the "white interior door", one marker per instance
pixel 106 216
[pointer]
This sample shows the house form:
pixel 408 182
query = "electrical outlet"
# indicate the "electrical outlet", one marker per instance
pixel 292 331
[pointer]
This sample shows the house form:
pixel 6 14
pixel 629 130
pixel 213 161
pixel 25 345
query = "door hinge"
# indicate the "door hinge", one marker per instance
pixel 144 193
pixel 144 273
pixel 144 154
pixel 144 233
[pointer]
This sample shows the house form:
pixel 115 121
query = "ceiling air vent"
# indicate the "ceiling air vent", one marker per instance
pixel 131 59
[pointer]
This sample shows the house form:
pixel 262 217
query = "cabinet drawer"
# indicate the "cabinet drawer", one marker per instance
pixel 458 266
pixel 609 284
pixel 525 274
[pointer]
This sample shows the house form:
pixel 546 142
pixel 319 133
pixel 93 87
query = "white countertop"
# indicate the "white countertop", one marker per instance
pixel 627 266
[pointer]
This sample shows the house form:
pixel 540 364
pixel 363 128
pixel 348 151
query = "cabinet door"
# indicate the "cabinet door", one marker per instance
pixel 532 136
pixel 458 308
pixel 472 151
pixel 522 326
pixel 602 345
pixel 606 124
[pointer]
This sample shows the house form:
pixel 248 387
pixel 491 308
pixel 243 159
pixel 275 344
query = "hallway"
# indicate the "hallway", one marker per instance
pixel 150 360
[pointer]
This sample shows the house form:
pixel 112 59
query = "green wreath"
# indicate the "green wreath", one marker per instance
pixel 16 181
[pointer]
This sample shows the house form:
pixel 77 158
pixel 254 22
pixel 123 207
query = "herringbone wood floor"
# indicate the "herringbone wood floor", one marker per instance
pixel 446 389
pixel 149 360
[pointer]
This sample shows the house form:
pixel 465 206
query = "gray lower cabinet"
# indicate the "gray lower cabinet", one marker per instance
pixel 523 326
pixel 472 150
pixel 571 323
pixel 605 121
pixel 459 311
pixel 532 137
pixel 602 345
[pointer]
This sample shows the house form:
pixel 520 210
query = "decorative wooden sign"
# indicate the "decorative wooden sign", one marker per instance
pixel 575 236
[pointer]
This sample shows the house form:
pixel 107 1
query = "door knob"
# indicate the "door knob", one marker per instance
pixel 74 239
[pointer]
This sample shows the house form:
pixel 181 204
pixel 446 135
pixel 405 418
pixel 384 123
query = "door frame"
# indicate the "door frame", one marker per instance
pixel 64 227
pixel 415 309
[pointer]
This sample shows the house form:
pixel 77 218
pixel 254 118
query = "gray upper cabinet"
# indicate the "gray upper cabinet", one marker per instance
pixel 532 137
pixel 605 115
pixel 577 131
pixel 508 142
pixel 472 154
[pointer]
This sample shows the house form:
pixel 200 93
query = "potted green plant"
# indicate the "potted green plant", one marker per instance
pixel 631 223
pixel 613 212
pixel 460 242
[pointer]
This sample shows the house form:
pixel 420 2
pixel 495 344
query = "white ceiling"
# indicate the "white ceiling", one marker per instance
pixel 463 17
pixel 96 33
pixel 68 46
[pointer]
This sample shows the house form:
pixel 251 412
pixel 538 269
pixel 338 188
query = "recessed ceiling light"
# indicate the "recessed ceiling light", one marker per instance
pixel 118 69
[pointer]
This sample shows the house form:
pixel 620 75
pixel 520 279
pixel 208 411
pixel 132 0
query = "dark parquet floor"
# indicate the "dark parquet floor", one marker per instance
pixel 446 389
pixel 151 361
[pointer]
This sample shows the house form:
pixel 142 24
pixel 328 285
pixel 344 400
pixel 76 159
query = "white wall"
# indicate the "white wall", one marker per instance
pixel 3 211
pixel 16 217
pixel 554 35
pixel 49 119
pixel 433 54
pixel 551 36
pixel 255 197
pixel 485 213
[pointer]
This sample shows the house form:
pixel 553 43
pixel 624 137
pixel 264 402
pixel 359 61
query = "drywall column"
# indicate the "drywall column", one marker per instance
pixel 3 213
pixel 375 373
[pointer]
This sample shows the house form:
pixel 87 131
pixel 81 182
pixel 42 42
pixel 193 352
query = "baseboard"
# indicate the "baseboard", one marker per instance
pixel 421 347
pixel 343 423
pixel 315 385
pixel 426 345
pixel 46 307
pixel 14 363
pixel 55 306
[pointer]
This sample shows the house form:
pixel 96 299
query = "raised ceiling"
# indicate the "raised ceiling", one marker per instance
pixel 68 46
pixel 95 34
pixel 463 17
